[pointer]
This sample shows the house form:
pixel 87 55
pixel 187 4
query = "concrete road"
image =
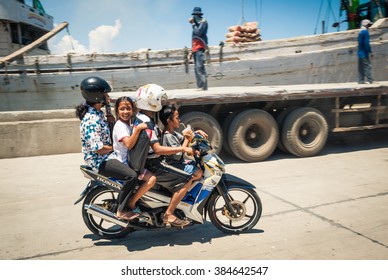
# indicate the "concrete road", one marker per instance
pixel 333 206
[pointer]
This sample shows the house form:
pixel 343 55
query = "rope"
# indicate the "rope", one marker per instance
pixel 318 17
pixel 331 10
pixel 242 19
pixel 327 18
pixel 259 17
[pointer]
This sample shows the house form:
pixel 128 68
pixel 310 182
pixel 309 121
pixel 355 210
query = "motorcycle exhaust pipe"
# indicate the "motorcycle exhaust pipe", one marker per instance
pixel 104 214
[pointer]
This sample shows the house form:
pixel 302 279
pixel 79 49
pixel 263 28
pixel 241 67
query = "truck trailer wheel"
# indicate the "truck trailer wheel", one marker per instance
pixel 225 130
pixel 253 135
pixel 280 120
pixel 304 132
pixel 205 122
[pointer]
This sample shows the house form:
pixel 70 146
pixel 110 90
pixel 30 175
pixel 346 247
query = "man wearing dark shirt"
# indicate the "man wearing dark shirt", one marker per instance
pixel 199 44
pixel 364 51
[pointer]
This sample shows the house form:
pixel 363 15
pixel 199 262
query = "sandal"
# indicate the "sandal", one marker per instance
pixel 130 215
pixel 137 210
pixel 175 223
pixel 143 216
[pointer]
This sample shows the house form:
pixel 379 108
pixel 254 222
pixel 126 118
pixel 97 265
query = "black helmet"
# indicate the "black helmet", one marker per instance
pixel 94 88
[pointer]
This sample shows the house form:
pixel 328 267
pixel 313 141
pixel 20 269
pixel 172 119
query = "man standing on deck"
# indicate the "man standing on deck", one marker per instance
pixel 364 50
pixel 199 44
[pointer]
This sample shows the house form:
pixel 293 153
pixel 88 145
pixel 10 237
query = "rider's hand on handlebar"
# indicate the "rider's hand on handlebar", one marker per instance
pixel 201 132
pixel 188 151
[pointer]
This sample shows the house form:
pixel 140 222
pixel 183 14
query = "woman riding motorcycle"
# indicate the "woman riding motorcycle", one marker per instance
pixel 96 140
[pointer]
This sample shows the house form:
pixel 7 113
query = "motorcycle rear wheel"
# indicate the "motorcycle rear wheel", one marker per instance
pixel 246 203
pixel 103 197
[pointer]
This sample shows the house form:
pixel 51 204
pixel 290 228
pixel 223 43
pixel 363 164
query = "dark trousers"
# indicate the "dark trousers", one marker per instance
pixel 364 70
pixel 199 67
pixel 116 169
pixel 168 176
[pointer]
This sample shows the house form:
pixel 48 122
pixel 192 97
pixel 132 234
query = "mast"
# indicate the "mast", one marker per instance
pixel 352 13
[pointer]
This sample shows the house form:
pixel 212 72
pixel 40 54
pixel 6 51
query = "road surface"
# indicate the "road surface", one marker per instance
pixel 329 207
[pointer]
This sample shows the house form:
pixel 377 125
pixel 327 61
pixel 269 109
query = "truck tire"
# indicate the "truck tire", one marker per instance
pixel 305 132
pixel 280 120
pixel 225 130
pixel 205 122
pixel 253 135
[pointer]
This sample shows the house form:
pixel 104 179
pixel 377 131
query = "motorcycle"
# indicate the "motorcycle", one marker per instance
pixel 232 204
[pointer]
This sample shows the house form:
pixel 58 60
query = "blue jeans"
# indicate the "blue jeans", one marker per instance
pixel 364 70
pixel 190 167
pixel 199 67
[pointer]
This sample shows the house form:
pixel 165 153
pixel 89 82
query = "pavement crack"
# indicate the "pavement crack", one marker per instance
pixel 308 210
pixel 54 253
pixel 347 200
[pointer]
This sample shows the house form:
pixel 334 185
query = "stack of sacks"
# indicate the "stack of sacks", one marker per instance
pixel 248 32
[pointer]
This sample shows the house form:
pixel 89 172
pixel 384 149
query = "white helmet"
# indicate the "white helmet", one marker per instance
pixel 150 97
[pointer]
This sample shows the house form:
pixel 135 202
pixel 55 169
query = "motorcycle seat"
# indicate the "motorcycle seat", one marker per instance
pixel 87 167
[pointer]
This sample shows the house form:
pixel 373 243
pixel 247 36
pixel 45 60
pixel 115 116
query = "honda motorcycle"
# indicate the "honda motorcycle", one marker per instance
pixel 231 203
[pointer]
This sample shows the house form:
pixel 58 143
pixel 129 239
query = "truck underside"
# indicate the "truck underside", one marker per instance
pixel 299 124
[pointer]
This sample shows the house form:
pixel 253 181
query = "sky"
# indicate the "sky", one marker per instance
pixel 129 25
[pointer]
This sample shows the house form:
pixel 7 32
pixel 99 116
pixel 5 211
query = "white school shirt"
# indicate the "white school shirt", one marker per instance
pixel 120 131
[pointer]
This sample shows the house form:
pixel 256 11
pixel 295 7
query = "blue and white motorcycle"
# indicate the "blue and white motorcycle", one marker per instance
pixel 231 203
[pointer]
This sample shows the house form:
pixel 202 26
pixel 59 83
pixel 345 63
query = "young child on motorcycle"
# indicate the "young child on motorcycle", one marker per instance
pixel 169 116
pixel 149 102
pixel 96 141
pixel 124 139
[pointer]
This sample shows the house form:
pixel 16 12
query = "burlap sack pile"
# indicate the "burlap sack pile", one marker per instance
pixel 248 32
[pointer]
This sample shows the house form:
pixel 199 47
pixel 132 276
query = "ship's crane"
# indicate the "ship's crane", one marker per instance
pixel 356 12
pixel 15 55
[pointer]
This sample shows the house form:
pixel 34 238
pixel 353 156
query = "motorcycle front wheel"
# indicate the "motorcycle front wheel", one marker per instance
pixel 246 204
pixel 107 199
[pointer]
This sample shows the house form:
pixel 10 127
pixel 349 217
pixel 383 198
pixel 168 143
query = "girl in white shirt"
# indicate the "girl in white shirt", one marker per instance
pixel 124 138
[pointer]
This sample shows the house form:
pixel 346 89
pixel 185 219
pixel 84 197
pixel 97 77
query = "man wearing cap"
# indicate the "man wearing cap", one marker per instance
pixel 364 50
pixel 199 44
